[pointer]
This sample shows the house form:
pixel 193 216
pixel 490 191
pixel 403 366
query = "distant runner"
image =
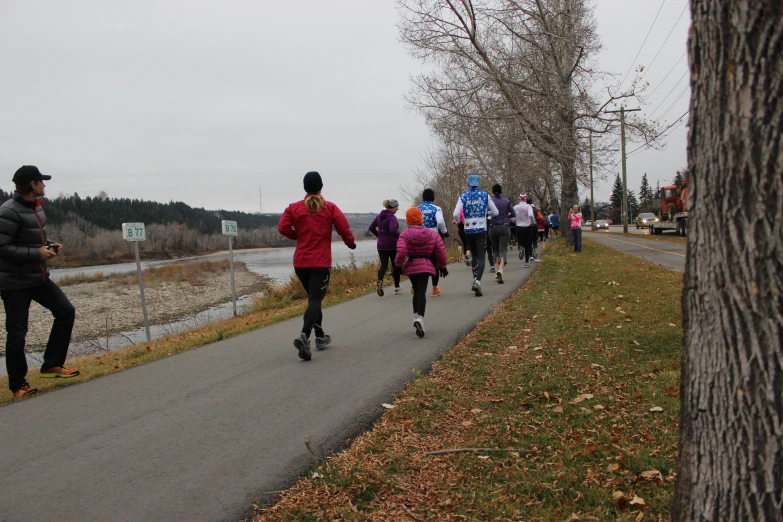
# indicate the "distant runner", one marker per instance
pixel 433 220
pixel 499 231
pixel 309 222
pixel 554 222
pixel 476 205
pixel 416 249
pixel 524 220
pixel 387 229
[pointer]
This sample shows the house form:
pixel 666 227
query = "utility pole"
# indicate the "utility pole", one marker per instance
pixel 625 181
pixel 592 199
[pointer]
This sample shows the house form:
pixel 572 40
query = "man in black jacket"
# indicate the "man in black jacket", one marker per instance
pixel 24 277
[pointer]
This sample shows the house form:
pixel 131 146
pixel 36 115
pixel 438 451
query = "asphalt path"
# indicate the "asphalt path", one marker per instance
pixel 667 255
pixel 203 434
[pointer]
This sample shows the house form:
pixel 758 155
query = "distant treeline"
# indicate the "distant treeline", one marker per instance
pixel 110 213
pixel 90 228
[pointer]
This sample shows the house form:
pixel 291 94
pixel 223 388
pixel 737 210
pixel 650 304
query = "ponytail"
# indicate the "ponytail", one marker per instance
pixel 315 203
pixel 385 203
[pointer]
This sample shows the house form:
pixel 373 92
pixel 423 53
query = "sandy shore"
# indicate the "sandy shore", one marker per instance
pixel 106 307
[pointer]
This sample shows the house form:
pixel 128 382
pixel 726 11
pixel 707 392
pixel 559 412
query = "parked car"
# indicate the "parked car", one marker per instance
pixel 643 220
pixel 588 223
pixel 601 223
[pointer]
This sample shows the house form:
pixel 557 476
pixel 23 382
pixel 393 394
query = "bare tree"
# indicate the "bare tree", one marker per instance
pixel 730 459
pixel 515 76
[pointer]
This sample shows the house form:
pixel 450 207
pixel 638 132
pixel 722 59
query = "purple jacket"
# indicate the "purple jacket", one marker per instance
pixel 419 244
pixel 387 229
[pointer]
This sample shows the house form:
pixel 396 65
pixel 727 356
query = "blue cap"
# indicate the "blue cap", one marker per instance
pixel 473 180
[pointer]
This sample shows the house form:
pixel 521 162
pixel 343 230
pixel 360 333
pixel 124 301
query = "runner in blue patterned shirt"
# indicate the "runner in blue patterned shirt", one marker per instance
pixel 476 205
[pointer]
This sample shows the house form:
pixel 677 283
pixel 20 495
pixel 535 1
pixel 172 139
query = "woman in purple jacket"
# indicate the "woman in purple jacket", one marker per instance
pixel 387 229
pixel 416 249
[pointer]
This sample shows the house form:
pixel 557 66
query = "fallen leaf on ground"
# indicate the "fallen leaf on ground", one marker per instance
pixel 637 501
pixel 583 397
pixel 557 409
pixel 467 423
pixel 613 467
pixel 656 409
pixel 387 406
pixel 475 410
pixel 652 474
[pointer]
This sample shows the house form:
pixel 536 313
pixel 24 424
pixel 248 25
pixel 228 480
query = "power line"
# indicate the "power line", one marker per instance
pixel 666 40
pixel 642 46
pixel 667 96
pixel 676 123
pixel 675 101
pixel 667 74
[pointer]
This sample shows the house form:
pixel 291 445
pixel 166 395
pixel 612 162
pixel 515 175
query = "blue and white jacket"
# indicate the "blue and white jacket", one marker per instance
pixel 433 216
pixel 476 205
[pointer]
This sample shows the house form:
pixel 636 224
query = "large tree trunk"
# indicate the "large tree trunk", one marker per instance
pixel 730 462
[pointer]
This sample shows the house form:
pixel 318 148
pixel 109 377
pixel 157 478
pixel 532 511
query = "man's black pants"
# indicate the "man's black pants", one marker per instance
pixel 17 309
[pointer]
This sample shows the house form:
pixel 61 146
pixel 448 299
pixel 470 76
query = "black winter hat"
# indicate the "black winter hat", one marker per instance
pixel 428 195
pixel 497 189
pixel 28 173
pixel 313 182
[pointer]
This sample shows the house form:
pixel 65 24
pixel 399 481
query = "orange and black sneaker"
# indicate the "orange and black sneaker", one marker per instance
pixel 435 292
pixel 58 372
pixel 25 391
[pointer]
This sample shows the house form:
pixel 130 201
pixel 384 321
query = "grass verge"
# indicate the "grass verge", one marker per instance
pixel 561 405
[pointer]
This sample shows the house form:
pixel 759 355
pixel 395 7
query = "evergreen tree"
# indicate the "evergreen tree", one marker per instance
pixel 633 206
pixel 679 179
pixel 617 193
pixel 645 193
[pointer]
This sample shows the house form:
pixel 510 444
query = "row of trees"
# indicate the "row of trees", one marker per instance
pixel 105 213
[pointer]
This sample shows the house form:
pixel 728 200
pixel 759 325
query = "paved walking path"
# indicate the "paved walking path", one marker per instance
pixel 667 255
pixel 202 434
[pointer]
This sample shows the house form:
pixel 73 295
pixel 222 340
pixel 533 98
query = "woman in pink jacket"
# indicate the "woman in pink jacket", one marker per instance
pixel 415 250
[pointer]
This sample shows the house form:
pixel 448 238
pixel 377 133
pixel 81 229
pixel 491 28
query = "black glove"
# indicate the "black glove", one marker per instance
pixel 352 246
pixel 443 272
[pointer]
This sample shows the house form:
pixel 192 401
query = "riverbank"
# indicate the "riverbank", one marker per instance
pixel 113 305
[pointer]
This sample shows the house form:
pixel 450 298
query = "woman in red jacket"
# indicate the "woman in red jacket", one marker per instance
pixel 309 222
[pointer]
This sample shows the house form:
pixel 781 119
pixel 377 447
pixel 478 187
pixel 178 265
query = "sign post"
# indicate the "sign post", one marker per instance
pixel 230 229
pixel 135 232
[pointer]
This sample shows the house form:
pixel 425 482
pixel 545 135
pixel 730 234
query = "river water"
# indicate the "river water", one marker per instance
pixel 274 263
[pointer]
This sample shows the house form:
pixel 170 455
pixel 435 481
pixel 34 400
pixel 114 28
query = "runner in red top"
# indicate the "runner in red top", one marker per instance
pixel 309 222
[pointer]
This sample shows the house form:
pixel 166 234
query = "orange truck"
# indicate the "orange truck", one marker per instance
pixel 673 213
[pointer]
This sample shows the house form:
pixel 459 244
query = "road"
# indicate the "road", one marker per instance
pixel 667 255
pixel 203 434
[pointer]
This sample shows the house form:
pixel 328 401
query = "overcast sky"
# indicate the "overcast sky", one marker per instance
pixel 203 102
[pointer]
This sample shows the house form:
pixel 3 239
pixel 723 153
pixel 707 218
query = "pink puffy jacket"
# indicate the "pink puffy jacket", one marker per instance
pixel 421 244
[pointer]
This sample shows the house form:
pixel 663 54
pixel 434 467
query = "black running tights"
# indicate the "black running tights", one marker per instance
pixel 315 282
pixel 419 283
pixel 386 257
pixel 525 241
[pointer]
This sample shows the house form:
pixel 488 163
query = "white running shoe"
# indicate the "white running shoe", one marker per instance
pixel 418 324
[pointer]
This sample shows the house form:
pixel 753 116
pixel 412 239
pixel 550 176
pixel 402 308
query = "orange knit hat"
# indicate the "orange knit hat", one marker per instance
pixel 413 216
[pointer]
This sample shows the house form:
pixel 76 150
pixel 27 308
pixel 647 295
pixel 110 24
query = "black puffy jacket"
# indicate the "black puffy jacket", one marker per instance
pixel 22 233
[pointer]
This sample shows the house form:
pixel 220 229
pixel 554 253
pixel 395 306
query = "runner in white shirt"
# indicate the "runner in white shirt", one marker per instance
pixel 524 220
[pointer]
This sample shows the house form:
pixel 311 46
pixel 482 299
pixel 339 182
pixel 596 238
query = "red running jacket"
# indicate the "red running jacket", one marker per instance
pixel 313 233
